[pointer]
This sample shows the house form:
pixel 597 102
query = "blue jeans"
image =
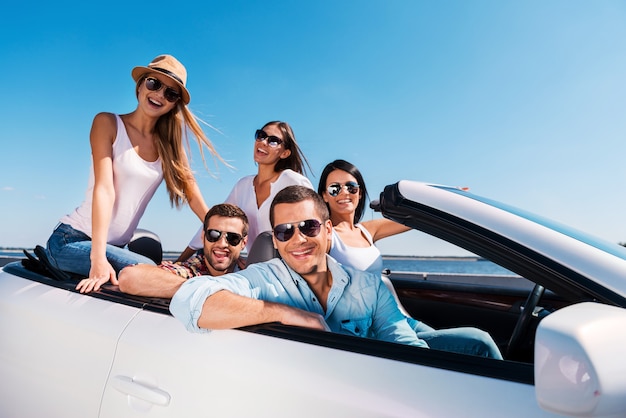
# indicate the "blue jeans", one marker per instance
pixel 70 250
pixel 464 340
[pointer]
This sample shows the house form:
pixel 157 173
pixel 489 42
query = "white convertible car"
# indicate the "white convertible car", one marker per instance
pixel 560 322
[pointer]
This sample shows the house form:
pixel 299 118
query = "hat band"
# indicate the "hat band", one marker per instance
pixel 171 74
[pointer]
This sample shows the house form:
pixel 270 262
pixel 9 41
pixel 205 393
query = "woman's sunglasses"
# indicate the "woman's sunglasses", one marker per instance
pixel 334 189
pixel 272 141
pixel 154 84
pixel 310 228
pixel 213 235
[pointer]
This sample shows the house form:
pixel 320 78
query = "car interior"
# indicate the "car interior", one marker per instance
pixel 510 311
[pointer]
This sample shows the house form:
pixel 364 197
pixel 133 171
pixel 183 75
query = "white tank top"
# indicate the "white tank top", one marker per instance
pixel 135 181
pixel 360 258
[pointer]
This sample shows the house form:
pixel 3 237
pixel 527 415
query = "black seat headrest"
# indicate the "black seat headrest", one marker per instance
pixel 262 249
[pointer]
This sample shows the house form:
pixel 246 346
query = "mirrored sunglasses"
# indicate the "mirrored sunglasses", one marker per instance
pixel 154 84
pixel 272 141
pixel 334 189
pixel 310 228
pixel 213 235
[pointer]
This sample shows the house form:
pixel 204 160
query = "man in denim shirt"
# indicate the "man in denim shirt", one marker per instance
pixel 305 288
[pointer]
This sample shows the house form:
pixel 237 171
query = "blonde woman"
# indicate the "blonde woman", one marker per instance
pixel 132 154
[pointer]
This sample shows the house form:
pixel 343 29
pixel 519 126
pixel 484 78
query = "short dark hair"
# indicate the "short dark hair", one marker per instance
pixel 351 169
pixel 228 211
pixel 295 194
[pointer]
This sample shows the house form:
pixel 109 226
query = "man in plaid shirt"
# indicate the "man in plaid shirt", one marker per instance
pixel 225 235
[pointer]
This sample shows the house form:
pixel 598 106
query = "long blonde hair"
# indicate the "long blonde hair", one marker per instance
pixel 170 130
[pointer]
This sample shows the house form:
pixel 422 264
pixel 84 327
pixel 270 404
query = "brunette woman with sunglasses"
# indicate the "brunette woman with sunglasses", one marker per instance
pixel 280 163
pixel 343 189
pixel 352 244
pixel 132 154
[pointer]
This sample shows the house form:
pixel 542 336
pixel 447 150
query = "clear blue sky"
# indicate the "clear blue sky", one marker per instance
pixel 522 101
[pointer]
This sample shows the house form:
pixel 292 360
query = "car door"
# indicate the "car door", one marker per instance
pixel 161 370
pixel 56 348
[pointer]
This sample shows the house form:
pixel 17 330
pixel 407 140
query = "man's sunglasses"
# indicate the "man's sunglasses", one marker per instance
pixel 334 189
pixel 272 141
pixel 154 84
pixel 213 235
pixel 310 228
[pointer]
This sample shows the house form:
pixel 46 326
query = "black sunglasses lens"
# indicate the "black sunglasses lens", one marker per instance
pixel 260 135
pixel 284 232
pixel 171 95
pixel 274 141
pixel 212 235
pixel 310 227
pixel 233 239
pixel 153 84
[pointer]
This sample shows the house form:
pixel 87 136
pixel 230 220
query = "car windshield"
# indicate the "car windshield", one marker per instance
pixel 611 248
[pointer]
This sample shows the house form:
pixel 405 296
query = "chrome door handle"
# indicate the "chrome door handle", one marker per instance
pixel 140 390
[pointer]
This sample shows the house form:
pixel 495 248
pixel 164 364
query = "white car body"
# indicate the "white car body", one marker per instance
pixel 104 355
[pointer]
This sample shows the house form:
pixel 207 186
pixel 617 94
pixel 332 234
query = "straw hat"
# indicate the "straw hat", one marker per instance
pixel 169 67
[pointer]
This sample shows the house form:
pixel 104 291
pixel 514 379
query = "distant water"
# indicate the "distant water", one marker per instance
pixel 12 253
pixel 466 265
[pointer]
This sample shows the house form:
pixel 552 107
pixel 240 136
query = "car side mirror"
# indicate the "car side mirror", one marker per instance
pixel 578 370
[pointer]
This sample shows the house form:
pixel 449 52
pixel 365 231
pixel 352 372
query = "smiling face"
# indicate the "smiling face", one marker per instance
pixel 345 202
pixel 266 154
pixel 154 101
pixel 220 255
pixel 305 255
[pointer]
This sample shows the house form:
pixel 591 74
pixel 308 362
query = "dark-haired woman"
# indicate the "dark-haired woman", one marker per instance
pixel 343 189
pixel 280 163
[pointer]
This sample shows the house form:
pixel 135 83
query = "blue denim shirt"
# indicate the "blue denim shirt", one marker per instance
pixel 358 302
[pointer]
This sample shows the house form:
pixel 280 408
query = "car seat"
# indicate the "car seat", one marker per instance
pixel 262 249
pixel 146 243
